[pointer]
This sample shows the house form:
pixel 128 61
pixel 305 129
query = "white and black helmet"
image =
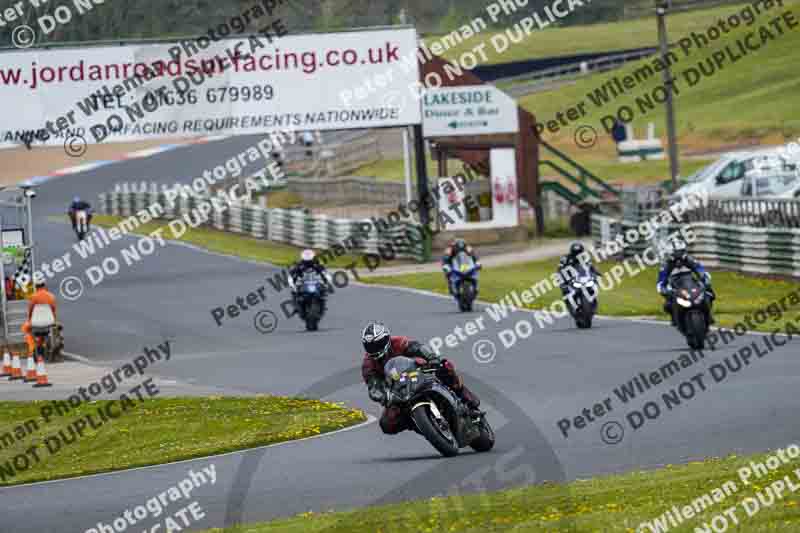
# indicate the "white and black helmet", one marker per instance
pixel 376 339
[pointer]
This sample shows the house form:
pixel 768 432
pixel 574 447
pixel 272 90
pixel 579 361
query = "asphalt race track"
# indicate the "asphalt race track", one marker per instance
pixel 555 373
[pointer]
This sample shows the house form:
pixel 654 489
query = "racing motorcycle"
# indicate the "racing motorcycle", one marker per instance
pixel 463 279
pixel 310 299
pixel 81 223
pixel 582 297
pixel 690 308
pixel 436 412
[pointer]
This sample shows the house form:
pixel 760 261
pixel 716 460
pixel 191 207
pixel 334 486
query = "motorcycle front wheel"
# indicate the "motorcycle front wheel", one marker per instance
pixel 696 328
pixel 435 431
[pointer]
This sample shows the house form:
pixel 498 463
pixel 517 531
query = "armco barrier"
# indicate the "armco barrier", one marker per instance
pixel 295 227
pixel 772 250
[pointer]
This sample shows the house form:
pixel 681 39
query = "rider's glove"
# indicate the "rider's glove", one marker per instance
pixel 446 269
pixel 377 393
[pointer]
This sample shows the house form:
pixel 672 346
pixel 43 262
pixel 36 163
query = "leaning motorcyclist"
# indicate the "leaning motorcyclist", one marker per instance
pixel 380 346
pixel 680 261
pixel 79 205
pixel 308 263
pixel 574 259
pixel 450 253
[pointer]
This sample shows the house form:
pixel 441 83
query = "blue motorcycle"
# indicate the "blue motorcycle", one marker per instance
pixel 310 300
pixel 463 277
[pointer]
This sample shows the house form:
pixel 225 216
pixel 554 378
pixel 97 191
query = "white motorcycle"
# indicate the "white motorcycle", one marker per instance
pixel 582 297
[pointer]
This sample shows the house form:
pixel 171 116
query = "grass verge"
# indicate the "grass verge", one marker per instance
pixel 635 296
pixel 588 38
pixel 224 242
pixel 160 430
pixel 394 170
pixel 754 97
pixel 610 503
pixel 603 165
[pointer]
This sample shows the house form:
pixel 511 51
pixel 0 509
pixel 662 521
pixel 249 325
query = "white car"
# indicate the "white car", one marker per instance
pixel 774 192
pixel 772 186
pixel 723 178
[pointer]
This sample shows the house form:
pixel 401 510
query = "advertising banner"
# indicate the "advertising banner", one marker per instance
pixel 244 86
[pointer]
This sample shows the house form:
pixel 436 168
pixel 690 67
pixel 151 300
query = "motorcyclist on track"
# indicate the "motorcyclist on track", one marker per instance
pixel 573 259
pixel 380 346
pixel 308 263
pixel 680 260
pixel 455 248
pixel 79 205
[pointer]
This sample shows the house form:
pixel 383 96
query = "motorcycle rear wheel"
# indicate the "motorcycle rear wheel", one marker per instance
pixel 485 441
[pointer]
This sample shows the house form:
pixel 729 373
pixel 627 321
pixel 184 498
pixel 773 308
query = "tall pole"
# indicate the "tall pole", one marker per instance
pixel 28 208
pixel 661 12
pixel 407 163
pixel 3 279
pixel 422 186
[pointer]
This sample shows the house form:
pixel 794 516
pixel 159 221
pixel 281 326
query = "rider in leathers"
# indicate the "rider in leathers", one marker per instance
pixel 573 259
pixel 308 263
pixel 381 346
pixel 681 260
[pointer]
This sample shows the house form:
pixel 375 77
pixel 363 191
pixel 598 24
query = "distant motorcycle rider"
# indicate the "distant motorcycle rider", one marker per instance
pixel 381 346
pixel 574 259
pixel 79 205
pixel 450 253
pixel 308 263
pixel 680 260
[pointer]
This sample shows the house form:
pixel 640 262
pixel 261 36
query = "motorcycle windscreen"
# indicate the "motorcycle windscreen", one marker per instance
pixel 684 280
pixel 397 366
pixel 463 262
pixel 582 273
pixel 310 282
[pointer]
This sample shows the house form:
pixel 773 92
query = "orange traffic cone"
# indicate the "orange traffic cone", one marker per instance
pixel 30 374
pixel 41 374
pixel 16 368
pixel 6 364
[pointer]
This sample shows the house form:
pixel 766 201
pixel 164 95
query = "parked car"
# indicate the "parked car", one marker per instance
pixel 771 186
pixel 778 195
pixel 723 178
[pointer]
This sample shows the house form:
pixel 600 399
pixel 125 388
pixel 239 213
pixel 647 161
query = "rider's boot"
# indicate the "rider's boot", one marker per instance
pixel 668 310
pixel 470 400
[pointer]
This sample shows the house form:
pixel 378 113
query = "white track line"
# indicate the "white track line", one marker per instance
pixel 370 419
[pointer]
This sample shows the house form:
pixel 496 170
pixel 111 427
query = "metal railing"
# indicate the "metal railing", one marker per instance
pixel 758 213
pixel 573 70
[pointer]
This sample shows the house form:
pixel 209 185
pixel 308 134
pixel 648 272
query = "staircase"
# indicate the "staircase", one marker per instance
pixel 589 186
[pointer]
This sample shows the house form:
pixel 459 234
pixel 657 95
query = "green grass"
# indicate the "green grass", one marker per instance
pixel 283 199
pixel 612 171
pixel 618 503
pixel 161 430
pixel 757 96
pixel 394 169
pixel 737 294
pixel 228 243
pixel 640 173
pixel 637 33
